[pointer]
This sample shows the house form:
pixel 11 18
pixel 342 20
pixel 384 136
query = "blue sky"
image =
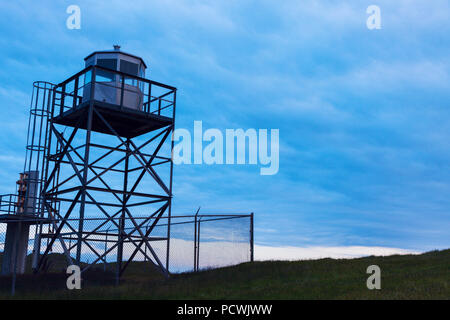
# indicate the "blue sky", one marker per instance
pixel 363 115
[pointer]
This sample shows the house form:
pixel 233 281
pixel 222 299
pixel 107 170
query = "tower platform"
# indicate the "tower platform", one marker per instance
pixel 128 123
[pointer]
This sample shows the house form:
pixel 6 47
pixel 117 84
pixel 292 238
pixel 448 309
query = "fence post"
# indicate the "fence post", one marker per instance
pixel 195 240
pixel 198 243
pixel 195 243
pixel 15 253
pixel 252 249
pixel 145 247
pixel 106 248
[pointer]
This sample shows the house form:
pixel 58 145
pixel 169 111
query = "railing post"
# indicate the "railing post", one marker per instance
pixel 121 91
pixel 149 96
pixel 63 95
pixel 75 93
pixel 93 76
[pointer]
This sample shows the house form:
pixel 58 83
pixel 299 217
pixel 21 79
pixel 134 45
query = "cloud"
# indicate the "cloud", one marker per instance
pixel 263 253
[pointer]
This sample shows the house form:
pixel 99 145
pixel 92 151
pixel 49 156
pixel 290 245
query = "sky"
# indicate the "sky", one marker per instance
pixel 363 115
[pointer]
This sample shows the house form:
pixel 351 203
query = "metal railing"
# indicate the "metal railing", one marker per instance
pixel 9 205
pixel 153 97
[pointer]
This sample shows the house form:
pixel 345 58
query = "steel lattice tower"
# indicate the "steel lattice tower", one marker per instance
pixel 108 170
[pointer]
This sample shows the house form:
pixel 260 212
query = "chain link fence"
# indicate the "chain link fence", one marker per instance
pixel 196 242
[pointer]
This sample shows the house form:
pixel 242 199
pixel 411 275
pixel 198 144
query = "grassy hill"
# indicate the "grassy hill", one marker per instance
pixel 425 276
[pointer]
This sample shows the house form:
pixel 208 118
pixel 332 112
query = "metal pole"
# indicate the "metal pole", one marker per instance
pixel 85 168
pixel 198 244
pixel 145 247
pixel 70 243
pixel 106 248
pixel 171 180
pixel 195 243
pixel 122 218
pixel 195 239
pixel 122 88
pixel 252 249
pixel 13 284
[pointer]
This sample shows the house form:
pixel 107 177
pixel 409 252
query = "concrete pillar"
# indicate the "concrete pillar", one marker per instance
pixel 17 235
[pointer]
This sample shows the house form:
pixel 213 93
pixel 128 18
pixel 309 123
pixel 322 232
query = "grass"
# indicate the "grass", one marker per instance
pixel 425 276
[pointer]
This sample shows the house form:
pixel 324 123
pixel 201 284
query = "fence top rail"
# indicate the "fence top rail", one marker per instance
pixel 212 216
